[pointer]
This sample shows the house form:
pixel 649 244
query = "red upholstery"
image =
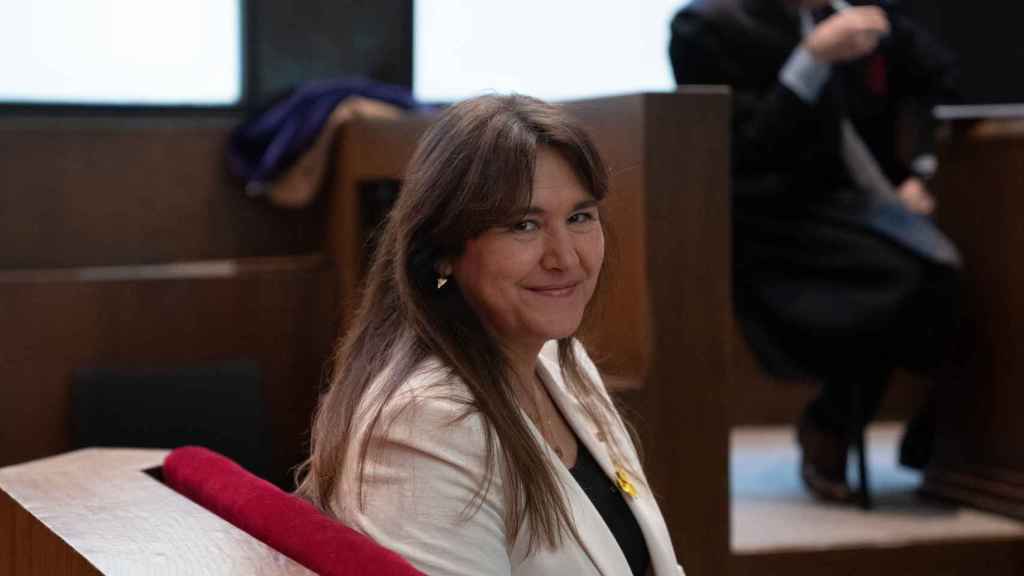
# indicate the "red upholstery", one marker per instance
pixel 284 522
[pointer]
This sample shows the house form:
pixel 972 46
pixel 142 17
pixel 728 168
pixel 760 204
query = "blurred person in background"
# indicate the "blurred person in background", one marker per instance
pixel 840 273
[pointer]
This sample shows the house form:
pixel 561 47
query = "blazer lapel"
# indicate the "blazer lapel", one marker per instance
pixel 643 505
pixel 597 541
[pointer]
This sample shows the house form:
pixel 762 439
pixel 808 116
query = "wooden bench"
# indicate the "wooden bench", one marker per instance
pixel 276 312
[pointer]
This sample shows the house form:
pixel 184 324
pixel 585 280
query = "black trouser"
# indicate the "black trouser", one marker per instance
pixel 840 305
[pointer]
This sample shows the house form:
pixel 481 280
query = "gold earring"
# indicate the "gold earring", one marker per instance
pixel 441 281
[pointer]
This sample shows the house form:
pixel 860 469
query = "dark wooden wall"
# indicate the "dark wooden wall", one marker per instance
pixel 110 190
pixel 273 312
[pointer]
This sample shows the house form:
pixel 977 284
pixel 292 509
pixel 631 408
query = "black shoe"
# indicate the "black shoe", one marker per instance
pixel 823 462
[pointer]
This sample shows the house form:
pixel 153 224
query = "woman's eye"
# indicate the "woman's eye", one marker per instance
pixel 582 218
pixel 525 226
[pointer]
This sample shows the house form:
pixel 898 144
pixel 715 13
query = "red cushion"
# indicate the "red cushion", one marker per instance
pixel 284 522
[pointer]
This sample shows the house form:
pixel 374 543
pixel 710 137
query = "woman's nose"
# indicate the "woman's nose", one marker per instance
pixel 559 250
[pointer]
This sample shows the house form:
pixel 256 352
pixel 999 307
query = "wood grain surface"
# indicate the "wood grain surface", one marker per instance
pixel 96 511
pixel 117 190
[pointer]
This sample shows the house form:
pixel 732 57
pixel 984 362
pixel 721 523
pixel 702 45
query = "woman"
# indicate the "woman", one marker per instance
pixel 464 427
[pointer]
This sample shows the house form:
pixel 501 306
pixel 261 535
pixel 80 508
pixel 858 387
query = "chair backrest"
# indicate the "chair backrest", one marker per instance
pixel 220 406
pixel 284 522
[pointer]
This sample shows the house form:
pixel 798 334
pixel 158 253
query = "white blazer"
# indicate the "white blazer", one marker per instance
pixel 422 474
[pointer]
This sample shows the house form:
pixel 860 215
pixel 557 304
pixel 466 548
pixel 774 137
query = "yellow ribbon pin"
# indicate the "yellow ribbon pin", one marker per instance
pixel 624 484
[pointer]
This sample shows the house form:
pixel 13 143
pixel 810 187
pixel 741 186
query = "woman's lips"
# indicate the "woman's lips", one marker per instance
pixel 556 291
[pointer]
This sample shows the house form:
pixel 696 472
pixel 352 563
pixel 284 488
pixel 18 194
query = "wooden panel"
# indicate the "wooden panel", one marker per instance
pixel 980 446
pixel 132 190
pixel 276 312
pixel 8 516
pixel 96 511
pixel 368 149
pixel 28 548
pixel 688 278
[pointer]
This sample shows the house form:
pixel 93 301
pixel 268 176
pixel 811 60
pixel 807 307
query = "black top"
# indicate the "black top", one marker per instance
pixel 613 508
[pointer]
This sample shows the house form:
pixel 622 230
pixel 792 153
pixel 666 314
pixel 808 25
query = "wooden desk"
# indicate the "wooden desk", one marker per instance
pixel 661 328
pixel 979 457
pixel 96 511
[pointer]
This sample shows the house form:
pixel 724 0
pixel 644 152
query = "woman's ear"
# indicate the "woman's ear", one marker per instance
pixel 443 268
pixel 444 271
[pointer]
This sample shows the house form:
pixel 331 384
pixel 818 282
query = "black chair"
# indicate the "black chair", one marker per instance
pixel 219 406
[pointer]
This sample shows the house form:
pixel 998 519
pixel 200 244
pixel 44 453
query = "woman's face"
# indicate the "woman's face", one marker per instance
pixel 531 280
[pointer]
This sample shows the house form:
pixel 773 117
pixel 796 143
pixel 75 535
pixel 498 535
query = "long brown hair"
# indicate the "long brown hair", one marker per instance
pixel 472 170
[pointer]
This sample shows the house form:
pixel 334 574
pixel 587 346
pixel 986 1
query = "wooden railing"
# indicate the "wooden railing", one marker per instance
pixel 979 453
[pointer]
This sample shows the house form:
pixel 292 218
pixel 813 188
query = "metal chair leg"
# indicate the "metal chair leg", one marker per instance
pixel 857 430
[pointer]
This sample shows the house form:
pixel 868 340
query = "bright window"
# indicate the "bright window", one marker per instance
pixel 140 52
pixel 553 49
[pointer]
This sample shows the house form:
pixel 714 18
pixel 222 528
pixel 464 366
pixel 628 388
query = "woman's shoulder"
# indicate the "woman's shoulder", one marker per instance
pixel 422 475
pixel 433 383
pixel 431 402
pixel 427 420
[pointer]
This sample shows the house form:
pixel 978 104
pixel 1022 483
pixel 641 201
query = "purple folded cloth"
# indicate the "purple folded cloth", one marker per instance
pixel 268 143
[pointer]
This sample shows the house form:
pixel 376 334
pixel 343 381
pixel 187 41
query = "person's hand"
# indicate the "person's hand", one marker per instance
pixel 915 196
pixel 847 35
